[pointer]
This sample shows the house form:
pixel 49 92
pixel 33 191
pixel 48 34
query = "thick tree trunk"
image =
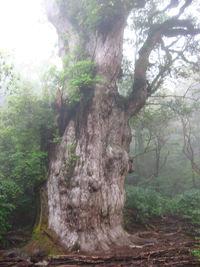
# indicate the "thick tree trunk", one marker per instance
pixel 87 171
pixel 86 182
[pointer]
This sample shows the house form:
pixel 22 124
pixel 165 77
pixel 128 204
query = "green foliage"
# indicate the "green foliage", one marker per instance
pixel 74 80
pixel 51 81
pixel 187 205
pixel 158 145
pixel 80 76
pixel 9 194
pixel 5 211
pixel 8 77
pixel 26 124
pixel 196 253
pixel 56 139
pixel 9 191
pixel 146 203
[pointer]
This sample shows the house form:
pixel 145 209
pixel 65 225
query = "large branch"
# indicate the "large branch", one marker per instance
pixel 172 4
pixel 170 28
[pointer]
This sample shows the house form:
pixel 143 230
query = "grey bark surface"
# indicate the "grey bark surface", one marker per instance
pixel 85 209
pixel 86 178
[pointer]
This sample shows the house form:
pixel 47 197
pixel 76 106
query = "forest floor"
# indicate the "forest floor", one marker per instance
pixel 170 242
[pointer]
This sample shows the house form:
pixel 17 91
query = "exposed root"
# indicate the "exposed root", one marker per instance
pixel 164 257
pixel 167 250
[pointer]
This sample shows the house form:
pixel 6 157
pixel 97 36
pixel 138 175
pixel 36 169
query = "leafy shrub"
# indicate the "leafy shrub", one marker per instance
pixel 196 253
pixel 74 78
pixel 5 210
pixel 187 205
pixel 26 126
pixel 145 202
pixel 82 74
pixel 79 76
pixel 8 194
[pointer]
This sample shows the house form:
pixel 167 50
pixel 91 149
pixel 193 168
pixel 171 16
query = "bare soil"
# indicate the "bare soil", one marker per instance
pixel 165 241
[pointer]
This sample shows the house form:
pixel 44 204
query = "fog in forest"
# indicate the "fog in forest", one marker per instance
pixel 99 132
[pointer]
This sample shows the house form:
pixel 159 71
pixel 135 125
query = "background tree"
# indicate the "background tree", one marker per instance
pixel 150 135
pixel 26 125
pixel 176 115
pixel 188 112
pixel 172 118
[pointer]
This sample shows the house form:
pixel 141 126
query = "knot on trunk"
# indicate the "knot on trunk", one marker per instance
pixel 116 152
pixel 94 185
pixel 118 158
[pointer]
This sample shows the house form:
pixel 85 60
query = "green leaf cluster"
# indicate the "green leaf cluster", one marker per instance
pixel 187 205
pixel 80 76
pixel 145 202
pixel 8 77
pixel 77 78
pixel 9 192
pixel 26 124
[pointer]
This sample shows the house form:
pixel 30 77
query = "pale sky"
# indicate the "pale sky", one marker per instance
pixel 26 34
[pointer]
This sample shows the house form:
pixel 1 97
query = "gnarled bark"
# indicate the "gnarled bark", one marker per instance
pixel 87 170
pixel 86 183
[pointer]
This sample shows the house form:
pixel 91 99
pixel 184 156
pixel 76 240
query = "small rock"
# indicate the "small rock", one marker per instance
pixel 11 254
pixel 42 263
pixel 38 255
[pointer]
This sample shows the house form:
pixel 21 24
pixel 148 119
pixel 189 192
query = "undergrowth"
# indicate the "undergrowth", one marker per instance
pixel 146 203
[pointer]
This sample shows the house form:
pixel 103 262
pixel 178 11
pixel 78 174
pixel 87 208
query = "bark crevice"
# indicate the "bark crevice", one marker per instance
pixel 86 201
